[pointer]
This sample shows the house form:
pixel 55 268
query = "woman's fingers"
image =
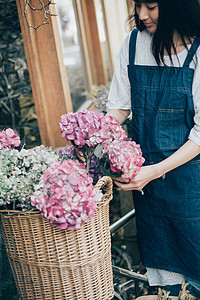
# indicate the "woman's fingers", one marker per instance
pixel 144 176
pixel 128 186
pixel 118 179
pixel 80 155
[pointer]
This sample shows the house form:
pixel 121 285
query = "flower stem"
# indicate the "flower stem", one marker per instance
pixel 14 205
pixel 87 163
pixel 88 154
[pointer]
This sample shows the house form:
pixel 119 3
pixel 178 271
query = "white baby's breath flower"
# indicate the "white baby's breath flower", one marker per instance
pixel 19 172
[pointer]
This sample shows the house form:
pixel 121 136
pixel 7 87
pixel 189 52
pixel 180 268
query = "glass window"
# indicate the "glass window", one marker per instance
pixel 72 55
pixel 103 37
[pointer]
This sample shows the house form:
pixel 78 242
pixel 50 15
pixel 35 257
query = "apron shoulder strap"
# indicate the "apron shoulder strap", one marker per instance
pixel 192 52
pixel 132 46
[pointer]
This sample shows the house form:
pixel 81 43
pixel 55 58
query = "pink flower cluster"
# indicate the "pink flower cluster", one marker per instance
pixel 112 130
pixel 65 195
pixel 90 128
pixel 125 157
pixel 9 138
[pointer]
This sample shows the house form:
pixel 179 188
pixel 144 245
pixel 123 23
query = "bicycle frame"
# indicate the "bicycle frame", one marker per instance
pixel 133 278
pixel 123 221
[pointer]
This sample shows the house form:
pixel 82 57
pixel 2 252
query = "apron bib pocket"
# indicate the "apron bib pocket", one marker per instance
pixel 171 128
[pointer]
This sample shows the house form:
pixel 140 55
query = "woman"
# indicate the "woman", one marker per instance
pixel 157 76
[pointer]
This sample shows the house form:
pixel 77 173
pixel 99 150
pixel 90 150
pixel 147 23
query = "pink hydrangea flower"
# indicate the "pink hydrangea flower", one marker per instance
pixel 79 127
pixel 90 128
pixel 111 130
pixel 8 138
pixel 65 195
pixel 125 157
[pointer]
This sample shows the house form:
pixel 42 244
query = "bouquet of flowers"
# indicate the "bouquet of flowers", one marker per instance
pixel 103 142
pixel 59 187
pixel 65 195
pixel 58 184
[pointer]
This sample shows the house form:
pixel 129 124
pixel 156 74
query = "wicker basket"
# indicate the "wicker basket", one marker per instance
pixel 51 263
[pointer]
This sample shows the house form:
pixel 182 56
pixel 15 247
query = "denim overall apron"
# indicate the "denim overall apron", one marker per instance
pixel 168 214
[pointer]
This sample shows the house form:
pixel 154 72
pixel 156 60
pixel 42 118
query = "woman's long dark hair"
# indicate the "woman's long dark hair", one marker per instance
pixel 182 16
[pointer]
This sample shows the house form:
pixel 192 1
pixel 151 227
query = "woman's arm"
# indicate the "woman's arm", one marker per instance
pixel 148 173
pixel 120 114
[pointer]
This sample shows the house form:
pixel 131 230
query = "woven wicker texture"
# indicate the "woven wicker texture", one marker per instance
pixel 51 263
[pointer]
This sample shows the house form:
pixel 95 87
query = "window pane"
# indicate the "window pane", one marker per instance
pixel 103 37
pixel 73 59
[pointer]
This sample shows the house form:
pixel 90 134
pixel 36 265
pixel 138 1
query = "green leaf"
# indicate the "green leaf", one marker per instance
pixel 98 151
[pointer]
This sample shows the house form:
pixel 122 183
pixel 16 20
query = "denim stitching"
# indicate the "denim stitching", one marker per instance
pixel 181 89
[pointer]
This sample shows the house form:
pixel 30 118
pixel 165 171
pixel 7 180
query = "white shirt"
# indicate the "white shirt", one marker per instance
pixel 120 98
pixel 119 95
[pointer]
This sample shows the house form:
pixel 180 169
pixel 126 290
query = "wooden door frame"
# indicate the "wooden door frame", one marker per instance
pixel 47 73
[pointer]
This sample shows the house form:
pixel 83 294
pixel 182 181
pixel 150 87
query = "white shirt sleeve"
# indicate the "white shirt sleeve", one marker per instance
pixel 157 277
pixel 195 131
pixel 119 95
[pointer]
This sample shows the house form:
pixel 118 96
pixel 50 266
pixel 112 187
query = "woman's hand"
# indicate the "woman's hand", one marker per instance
pixel 145 175
pixel 80 155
